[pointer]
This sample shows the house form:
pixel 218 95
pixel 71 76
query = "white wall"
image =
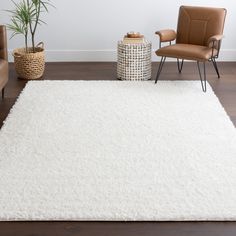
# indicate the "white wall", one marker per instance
pixel 88 30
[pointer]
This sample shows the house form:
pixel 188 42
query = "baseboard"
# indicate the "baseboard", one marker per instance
pixel 107 55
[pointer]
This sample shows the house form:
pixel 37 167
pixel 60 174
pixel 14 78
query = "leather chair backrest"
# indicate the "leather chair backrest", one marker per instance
pixel 3 42
pixel 197 24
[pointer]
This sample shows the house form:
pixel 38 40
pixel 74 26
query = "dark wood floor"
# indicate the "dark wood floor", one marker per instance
pixel 225 89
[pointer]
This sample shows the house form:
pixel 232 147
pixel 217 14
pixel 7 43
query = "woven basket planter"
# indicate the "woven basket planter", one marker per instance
pixel 134 61
pixel 30 65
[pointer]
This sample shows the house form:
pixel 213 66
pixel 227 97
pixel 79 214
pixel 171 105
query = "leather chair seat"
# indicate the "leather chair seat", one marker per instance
pixel 187 52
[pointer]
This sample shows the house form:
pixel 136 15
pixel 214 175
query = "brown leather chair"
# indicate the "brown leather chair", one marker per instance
pixel 3 59
pixel 198 38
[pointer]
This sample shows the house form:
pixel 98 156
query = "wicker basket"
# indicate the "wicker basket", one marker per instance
pixel 30 65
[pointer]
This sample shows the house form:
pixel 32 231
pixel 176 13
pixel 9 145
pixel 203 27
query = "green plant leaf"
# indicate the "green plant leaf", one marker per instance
pixel 26 16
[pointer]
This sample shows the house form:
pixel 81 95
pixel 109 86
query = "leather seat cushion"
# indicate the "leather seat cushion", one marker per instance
pixel 187 52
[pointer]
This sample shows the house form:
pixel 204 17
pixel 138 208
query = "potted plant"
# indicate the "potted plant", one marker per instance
pixel 25 19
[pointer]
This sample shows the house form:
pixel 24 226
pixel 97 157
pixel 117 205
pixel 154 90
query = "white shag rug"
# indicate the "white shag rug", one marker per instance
pixel 77 150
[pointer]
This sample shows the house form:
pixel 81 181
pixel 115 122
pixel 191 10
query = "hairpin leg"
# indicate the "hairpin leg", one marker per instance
pixel 162 62
pixel 180 65
pixel 202 77
pixel 3 93
pixel 215 66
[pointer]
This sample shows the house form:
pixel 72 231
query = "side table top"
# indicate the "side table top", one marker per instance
pixel 145 42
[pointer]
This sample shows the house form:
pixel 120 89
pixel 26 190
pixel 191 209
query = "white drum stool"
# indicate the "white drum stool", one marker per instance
pixel 134 61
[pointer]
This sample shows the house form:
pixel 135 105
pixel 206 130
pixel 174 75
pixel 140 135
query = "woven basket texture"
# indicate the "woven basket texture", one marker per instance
pixel 29 65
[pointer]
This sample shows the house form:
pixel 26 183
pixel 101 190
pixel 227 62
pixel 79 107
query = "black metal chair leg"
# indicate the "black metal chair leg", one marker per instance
pixel 215 66
pixel 202 77
pixel 3 93
pixel 180 65
pixel 162 62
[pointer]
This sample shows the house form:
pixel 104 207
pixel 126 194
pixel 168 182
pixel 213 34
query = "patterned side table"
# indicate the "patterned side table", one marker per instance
pixel 134 61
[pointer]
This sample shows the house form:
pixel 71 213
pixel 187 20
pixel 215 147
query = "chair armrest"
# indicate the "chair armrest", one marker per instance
pixel 166 35
pixel 213 39
pixel 3 43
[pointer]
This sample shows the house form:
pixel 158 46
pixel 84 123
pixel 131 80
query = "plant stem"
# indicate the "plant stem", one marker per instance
pixel 26 42
pixel 33 42
pixel 36 24
pixel 30 25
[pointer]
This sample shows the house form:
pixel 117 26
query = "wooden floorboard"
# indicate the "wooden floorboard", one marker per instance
pixel 117 229
pixel 225 89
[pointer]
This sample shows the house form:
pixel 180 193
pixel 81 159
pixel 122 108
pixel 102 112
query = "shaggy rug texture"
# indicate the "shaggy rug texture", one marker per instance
pixel 77 150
